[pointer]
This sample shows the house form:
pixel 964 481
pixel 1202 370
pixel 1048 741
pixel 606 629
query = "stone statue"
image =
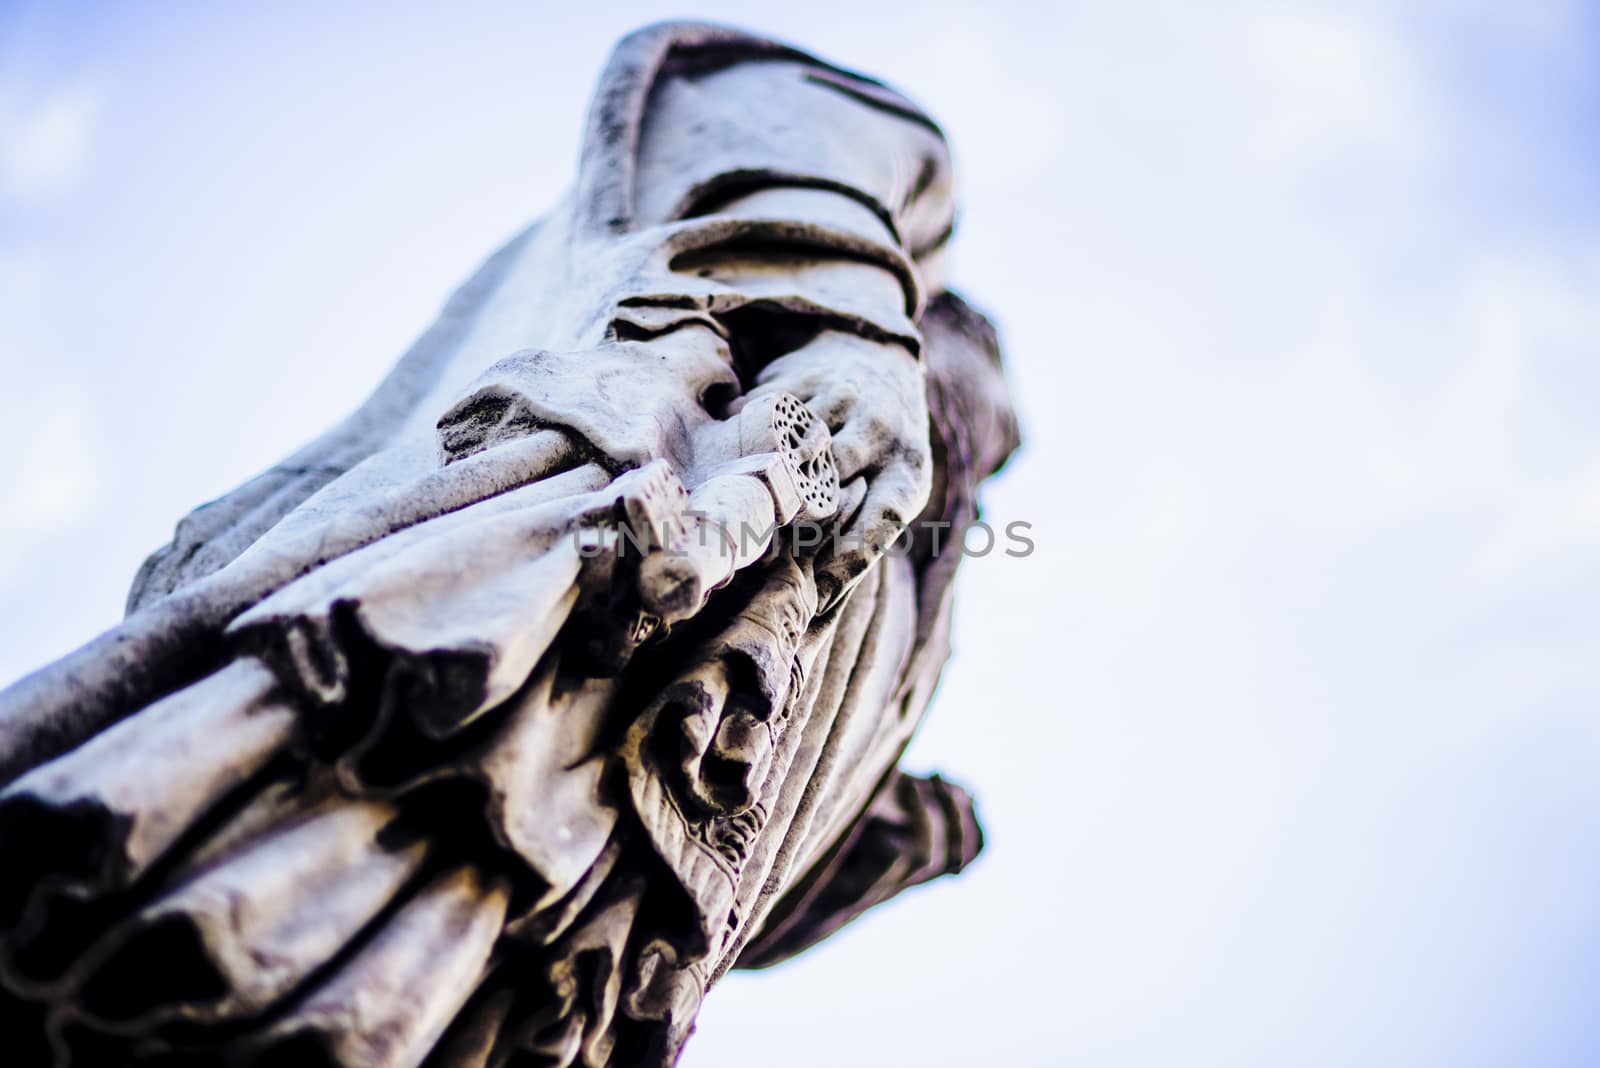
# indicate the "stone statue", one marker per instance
pixel 573 668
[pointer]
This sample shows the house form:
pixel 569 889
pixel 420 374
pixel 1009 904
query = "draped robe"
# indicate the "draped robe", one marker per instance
pixel 445 740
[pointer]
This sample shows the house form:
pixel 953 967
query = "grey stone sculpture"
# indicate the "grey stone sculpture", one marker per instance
pixel 495 725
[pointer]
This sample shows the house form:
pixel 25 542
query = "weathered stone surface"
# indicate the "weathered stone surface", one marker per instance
pixel 574 668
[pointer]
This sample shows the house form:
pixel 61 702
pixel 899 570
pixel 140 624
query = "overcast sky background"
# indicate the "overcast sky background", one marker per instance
pixel 1287 738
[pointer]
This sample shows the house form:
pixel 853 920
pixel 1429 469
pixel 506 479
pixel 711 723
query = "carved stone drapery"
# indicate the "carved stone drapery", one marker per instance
pixel 571 670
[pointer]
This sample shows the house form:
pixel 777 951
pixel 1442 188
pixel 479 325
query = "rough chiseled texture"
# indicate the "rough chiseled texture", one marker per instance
pixel 494 726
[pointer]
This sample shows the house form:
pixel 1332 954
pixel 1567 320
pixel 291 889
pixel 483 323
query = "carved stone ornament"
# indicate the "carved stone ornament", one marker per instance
pixel 573 669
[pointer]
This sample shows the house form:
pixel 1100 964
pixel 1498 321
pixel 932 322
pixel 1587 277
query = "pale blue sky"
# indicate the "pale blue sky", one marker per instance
pixel 1286 738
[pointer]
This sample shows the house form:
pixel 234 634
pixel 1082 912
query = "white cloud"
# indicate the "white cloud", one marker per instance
pixel 52 468
pixel 45 147
pixel 1322 84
